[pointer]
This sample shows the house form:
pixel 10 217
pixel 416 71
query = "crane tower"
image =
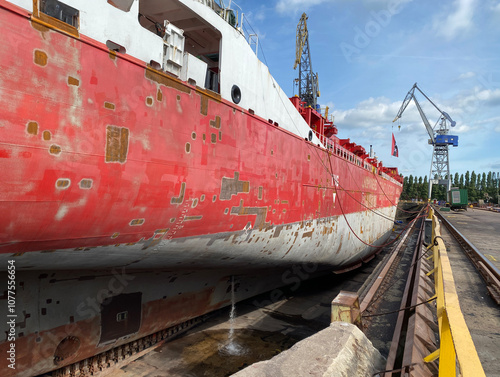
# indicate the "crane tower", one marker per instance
pixel 308 80
pixel 439 139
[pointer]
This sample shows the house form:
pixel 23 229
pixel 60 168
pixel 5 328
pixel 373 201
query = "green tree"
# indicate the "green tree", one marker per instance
pixel 425 189
pixel 461 184
pixel 473 193
pixel 404 195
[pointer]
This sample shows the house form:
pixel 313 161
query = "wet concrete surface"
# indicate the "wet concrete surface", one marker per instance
pixel 263 327
pixel 481 313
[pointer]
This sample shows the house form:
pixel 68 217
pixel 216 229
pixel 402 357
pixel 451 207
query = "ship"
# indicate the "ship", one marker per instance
pixel 150 162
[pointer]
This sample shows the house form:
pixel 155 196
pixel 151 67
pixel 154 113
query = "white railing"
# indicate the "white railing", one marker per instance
pixel 341 151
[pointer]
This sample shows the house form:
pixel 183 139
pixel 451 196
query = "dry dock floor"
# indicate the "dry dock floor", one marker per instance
pixel 481 313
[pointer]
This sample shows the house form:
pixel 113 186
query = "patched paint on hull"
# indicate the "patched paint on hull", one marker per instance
pixel 152 174
pixel 326 241
pixel 258 175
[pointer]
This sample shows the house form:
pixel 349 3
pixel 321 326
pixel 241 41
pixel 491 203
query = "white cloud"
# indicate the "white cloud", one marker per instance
pixel 466 75
pixel 457 22
pixel 477 98
pixel 294 6
pixel 368 113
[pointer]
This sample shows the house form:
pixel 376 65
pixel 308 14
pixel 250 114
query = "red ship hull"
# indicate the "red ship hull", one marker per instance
pixel 110 164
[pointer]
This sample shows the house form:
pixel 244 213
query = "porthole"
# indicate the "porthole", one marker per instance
pixel 236 94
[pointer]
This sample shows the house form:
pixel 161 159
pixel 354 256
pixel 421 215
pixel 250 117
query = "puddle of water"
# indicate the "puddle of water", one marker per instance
pixel 208 353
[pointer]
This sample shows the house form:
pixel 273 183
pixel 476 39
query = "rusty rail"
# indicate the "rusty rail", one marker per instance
pixel 413 336
pixel 385 272
pixel 488 271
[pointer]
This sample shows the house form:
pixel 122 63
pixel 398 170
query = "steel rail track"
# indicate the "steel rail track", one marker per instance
pixel 409 341
pixel 489 272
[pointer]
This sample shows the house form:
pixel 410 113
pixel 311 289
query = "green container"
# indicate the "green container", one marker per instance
pixel 458 198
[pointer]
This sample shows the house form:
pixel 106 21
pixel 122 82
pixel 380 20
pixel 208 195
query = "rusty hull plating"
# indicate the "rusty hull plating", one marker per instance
pixel 129 196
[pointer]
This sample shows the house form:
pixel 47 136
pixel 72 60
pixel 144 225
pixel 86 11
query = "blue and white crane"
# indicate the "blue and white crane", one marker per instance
pixel 439 139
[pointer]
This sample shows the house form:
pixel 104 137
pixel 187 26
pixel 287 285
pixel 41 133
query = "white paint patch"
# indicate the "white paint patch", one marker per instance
pixel 144 139
pixel 63 210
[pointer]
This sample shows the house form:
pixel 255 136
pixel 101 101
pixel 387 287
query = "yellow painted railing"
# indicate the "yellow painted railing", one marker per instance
pixel 456 346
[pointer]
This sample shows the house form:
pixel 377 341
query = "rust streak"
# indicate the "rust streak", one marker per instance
pixel 39 27
pixel 86 184
pixel 116 144
pixel 164 79
pixel 179 199
pixel 259 212
pixel 52 23
pixel 63 183
pixel 307 234
pixel 32 128
pixel 136 222
pixel 109 105
pixel 55 149
pixel 204 105
pixel 215 123
pixel 73 81
pixel 192 218
pixel 40 58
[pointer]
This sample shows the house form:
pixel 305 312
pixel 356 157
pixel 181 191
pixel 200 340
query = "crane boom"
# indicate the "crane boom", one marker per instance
pixel 440 165
pixel 411 95
pixel 308 81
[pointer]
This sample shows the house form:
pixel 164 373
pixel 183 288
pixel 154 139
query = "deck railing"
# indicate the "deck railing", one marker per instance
pixel 349 156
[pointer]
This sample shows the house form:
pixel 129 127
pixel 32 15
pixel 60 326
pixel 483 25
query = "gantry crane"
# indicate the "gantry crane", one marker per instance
pixel 308 80
pixel 439 139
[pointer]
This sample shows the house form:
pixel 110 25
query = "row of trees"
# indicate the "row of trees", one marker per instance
pixel 483 186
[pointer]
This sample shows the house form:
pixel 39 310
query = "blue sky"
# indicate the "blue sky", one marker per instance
pixel 369 53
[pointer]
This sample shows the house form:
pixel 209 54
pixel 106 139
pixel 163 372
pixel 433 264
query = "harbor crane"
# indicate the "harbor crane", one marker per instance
pixel 308 80
pixel 439 139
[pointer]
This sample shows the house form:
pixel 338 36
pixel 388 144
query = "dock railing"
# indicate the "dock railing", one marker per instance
pixel 456 348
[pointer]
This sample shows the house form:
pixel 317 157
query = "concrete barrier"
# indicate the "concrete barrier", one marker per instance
pixel 337 351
